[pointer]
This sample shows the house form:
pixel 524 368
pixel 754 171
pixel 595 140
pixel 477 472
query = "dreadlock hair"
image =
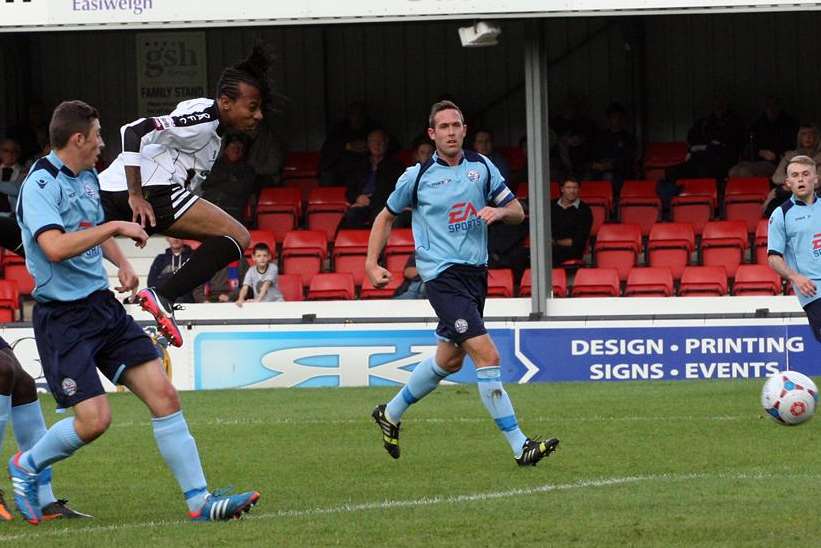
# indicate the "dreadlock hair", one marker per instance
pixel 253 70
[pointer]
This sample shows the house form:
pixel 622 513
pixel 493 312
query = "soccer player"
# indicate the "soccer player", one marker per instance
pixel 453 197
pixel 80 327
pixel 161 156
pixel 792 238
pixel 18 402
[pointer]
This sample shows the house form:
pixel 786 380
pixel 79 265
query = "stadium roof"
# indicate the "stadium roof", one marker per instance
pixel 49 15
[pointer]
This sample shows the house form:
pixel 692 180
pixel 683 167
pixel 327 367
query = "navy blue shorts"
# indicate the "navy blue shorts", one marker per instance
pixel 813 311
pixel 458 297
pixel 75 338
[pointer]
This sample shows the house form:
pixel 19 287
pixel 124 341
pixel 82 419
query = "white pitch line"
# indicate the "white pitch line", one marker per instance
pixel 391 504
pixel 456 420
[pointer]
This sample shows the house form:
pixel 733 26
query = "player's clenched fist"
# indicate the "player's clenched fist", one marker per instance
pixel 378 276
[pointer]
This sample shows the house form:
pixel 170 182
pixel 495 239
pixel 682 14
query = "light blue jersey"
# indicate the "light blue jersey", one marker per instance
pixel 795 234
pixel 53 197
pixel 445 201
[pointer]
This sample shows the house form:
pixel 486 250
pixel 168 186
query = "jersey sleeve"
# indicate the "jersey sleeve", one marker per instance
pixel 499 195
pixel 186 133
pixel 402 196
pixel 38 208
pixel 776 233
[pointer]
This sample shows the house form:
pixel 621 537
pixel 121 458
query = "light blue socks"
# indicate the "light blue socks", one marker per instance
pixel 29 427
pixel 497 402
pixel 58 443
pixel 179 450
pixel 424 379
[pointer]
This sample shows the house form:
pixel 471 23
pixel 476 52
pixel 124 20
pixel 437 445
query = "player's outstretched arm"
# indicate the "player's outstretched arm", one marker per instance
pixel 58 245
pixel 380 231
pixel 802 283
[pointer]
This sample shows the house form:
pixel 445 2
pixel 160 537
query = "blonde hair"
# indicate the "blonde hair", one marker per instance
pixel 802 160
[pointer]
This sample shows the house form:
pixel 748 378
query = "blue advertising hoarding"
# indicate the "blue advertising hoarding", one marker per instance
pixel 374 357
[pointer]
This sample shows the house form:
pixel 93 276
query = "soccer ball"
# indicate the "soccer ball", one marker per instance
pixel 789 398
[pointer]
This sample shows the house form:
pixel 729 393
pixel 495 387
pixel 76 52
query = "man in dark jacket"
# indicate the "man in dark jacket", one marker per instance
pixel 370 182
pixel 570 223
pixel 166 264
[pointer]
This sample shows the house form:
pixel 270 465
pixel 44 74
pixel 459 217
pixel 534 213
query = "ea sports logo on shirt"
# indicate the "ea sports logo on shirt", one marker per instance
pixel 461 212
pixel 462 217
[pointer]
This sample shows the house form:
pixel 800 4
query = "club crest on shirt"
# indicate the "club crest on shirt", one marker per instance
pixel 473 175
pixel 90 191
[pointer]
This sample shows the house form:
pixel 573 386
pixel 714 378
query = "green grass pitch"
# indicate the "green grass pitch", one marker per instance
pixel 640 464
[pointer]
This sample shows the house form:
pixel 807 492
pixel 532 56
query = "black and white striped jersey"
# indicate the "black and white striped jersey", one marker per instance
pixel 168 149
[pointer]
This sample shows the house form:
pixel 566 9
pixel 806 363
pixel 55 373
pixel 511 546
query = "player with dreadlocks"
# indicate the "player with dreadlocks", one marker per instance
pixel 162 155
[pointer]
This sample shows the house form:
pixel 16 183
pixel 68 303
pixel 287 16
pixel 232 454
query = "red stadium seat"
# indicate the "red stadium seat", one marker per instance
pixel 303 252
pixel 9 301
pixel 599 196
pixel 618 246
pixel 670 245
pixel 596 282
pixel 499 282
pixel 290 285
pixel 400 247
pixel 301 164
pixel 350 250
pixel 559 282
pixel 649 282
pixel 555 190
pixel 405 156
pixel 370 292
pixel 703 281
pixel 9 257
pixel 279 210
pixel 761 236
pixel 660 156
pixel 743 197
pixel 695 202
pixel 305 186
pixel 326 207
pixel 526 284
pixel 639 204
pixel 17 273
pixel 331 286
pixel 261 237
pixel 723 244
pixel 756 279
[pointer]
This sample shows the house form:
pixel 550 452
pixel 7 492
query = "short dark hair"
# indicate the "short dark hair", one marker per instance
pixel 262 246
pixel 70 117
pixel 571 179
pixel 443 105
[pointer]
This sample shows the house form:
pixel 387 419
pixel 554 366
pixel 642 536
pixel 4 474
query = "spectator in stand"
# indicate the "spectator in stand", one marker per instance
pixel 614 150
pixel 715 145
pixel 769 137
pixel 575 132
pixel 167 264
pixel 423 149
pixel 231 181
pixel 506 249
pixel 807 143
pixel 413 287
pixel 266 154
pixel 371 182
pixel 261 280
pixel 346 144
pixel 223 287
pixel 777 196
pixel 570 223
pixel 483 144
pixel 27 132
pixel 11 174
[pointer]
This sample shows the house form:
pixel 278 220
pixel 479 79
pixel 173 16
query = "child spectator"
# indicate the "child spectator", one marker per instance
pixel 261 279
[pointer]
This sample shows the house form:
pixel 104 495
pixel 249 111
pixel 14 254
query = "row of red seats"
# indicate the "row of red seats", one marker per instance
pixel 697 202
pixel 723 243
pixel 696 281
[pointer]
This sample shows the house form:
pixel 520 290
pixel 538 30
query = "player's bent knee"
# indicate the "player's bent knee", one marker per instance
pixel 167 401
pixel 242 236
